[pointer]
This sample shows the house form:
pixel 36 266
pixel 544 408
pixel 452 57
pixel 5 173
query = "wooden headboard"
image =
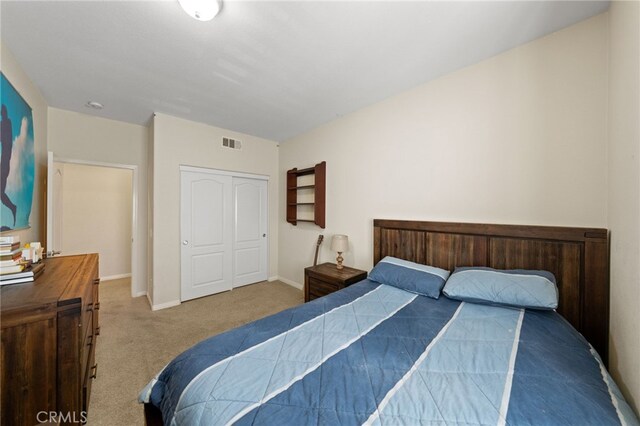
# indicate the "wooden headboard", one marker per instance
pixel 578 257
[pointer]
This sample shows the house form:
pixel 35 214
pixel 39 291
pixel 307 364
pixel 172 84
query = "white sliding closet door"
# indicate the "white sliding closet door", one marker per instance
pixel 206 218
pixel 250 231
pixel 223 220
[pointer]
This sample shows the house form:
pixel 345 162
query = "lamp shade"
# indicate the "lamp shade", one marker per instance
pixel 339 243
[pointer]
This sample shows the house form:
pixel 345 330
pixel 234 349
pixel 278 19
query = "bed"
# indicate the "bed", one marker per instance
pixel 377 354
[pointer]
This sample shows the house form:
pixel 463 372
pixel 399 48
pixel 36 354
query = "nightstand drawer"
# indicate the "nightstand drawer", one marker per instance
pixel 319 288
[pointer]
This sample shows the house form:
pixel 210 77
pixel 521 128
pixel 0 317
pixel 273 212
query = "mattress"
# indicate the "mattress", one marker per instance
pixel 375 354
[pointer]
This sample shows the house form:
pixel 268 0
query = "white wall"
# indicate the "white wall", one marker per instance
pixel 518 138
pixel 31 94
pixel 74 136
pixel 181 142
pixel 624 195
pixel 97 207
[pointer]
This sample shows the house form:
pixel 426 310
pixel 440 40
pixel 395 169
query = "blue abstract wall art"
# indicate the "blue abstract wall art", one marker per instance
pixel 17 160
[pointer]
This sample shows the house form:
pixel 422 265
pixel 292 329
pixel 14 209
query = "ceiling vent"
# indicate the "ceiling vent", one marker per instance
pixel 231 143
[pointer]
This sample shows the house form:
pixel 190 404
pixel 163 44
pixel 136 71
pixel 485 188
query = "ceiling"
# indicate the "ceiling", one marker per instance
pixel 269 69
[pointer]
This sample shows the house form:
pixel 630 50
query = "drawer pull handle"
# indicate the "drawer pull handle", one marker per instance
pixel 97 306
pixel 96 281
pixel 89 307
pixel 97 332
pixel 90 340
pixel 94 370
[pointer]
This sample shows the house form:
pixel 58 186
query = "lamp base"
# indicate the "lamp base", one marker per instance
pixel 339 260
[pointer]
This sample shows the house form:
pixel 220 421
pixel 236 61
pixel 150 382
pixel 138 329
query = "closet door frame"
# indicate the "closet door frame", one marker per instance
pixel 220 172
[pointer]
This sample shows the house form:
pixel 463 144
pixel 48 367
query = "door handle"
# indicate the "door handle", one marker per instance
pixel 264 235
pixel 185 242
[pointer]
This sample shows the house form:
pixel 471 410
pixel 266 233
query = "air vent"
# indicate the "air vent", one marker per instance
pixel 231 143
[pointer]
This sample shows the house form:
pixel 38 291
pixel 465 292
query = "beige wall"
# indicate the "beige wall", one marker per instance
pixel 624 195
pixel 181 142
pixel 518 138
pixel 31 94
pixel 81 137
pixel 96 215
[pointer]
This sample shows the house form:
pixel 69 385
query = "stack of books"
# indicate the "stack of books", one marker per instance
pixel 13 268
pixel 10 255
pixel 30 273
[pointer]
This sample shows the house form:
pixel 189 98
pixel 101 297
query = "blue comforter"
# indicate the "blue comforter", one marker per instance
pixel 375 354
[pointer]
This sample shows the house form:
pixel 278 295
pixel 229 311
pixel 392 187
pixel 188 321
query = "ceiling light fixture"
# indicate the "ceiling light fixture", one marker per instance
pixel 202 10
pixel 94 105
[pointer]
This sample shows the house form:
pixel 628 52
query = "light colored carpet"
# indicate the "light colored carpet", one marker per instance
pixel 135 343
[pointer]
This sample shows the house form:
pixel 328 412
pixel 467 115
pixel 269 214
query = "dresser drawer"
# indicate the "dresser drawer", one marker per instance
pixel 96 307
pixel 90 374
pixel 87 309
pixel 88 343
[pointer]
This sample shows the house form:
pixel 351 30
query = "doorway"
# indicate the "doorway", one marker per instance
pixel 223 226
pixel 92 209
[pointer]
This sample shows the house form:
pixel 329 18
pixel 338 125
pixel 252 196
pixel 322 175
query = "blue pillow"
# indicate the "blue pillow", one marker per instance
pixel 514 287
pixel 410 276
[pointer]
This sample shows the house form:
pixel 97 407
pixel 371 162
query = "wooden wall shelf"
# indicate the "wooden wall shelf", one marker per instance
pixel 319 192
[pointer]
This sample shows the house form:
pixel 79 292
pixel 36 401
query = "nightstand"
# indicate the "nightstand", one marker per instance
pixel 323 279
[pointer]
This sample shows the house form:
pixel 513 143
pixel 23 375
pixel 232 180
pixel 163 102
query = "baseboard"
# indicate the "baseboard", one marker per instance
pixel 115 277
pixel 271 279
pixel 291 283
pixel 165 305
pixel 139 294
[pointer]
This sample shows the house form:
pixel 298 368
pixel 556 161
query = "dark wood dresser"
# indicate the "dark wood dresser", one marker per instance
pixel 49 330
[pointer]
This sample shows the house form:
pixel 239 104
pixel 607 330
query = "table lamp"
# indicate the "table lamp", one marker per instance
pixel 339 243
